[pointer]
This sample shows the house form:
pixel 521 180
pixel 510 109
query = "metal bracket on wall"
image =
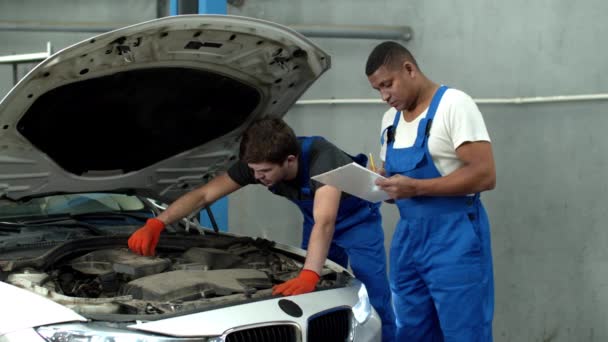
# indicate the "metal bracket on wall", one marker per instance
pixel 236 3
pixel 15 60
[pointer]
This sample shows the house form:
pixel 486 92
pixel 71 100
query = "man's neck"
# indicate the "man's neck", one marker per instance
pixel 425 96
pixel 292 171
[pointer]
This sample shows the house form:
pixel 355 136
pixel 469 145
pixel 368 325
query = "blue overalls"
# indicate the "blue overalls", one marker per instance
pixel 358 235
pixel 440 258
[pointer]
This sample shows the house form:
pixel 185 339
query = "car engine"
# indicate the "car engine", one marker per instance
pixel 187 274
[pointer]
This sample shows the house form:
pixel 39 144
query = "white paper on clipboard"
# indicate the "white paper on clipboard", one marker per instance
pixel 355 180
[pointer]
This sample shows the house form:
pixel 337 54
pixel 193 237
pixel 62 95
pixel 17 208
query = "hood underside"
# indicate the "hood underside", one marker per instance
pixel 155 108
pixel 114 123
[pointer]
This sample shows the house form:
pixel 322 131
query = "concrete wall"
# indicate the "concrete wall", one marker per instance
pixel 68 13
pixel 548 211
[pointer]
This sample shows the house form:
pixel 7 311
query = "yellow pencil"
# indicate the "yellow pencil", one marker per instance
pixel 371 162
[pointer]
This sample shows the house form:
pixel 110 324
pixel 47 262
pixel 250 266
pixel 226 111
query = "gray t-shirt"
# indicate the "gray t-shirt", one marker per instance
pixel 324 156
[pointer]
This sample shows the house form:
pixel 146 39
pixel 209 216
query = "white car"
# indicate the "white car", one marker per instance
pixel 97 137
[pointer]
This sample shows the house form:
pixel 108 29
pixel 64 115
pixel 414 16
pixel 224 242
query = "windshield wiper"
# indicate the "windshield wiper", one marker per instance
pixel 62 222
pixel 73 220
pixel 9 227
pixel 110 215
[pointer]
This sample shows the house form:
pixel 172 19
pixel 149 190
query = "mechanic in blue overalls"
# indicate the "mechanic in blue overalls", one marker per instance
pixel 336 225
pixel 438 158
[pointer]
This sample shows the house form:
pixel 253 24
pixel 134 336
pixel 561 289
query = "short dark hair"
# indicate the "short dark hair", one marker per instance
pixel 390 54
pixel 268 140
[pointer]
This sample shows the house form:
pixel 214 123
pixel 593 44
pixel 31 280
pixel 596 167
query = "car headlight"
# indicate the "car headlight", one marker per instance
pixel 363 309
pixel 99 333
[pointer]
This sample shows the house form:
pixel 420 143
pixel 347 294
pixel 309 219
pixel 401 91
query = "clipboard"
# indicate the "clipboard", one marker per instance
pixel 355 180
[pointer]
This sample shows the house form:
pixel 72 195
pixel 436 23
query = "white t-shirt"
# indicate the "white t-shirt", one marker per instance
pixel 457 120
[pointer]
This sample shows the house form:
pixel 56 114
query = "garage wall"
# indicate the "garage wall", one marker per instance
pixel 68 13
pixel 548 211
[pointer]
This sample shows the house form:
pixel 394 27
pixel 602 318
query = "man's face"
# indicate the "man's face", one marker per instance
pixel 269 174
pixel 396 85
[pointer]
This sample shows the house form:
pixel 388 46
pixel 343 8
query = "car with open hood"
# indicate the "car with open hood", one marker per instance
pixel 100 136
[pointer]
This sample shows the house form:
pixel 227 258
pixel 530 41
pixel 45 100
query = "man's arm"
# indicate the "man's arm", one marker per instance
pixel 198 198
pixel 477 174
pixel 144 240
pixel 325 211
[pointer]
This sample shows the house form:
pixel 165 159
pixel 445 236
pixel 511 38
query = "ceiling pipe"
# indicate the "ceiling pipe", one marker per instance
pixel 355 32
pixel 403 33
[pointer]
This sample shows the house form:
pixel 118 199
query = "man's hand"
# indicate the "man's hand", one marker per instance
pixel 145 239
pixel 398 186
pixel 304 283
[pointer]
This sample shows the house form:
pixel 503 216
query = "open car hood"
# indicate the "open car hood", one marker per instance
pixel 155 108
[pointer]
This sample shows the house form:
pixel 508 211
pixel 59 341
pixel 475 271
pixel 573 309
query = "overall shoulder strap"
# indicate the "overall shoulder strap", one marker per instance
pixel 390 130
pixel 424 128
pixel 304 163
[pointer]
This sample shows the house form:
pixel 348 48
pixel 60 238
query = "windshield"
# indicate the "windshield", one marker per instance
pixel 70 204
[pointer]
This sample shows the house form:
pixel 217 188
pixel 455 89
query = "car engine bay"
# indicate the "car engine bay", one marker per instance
pixel 100 277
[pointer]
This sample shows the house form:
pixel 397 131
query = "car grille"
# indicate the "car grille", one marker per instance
pixel 332 326
pixel 273 333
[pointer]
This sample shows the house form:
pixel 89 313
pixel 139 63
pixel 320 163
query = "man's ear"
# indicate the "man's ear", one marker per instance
pixel 409 68
pixel 291 158
pixel 291 161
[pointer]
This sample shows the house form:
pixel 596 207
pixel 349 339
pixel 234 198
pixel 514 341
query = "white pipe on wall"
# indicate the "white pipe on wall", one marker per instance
pixel 514 100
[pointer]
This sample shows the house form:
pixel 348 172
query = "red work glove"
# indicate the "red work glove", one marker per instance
pixel 303 283
pixel 145 239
